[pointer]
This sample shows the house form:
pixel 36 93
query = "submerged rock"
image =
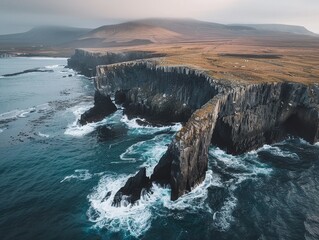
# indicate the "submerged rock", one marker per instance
pixel 131 192
pixel 103 106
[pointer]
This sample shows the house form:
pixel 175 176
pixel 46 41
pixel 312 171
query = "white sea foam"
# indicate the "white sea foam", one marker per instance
pixel 149 151
pixel 79 174
pixel 224 217
pixel 76 130
pixel 247 165
pixel 24 113
pixel 43 135
pixel 135 128
pixel 1 130
pixel 52 66
pixel 10 115
pixel 14 114
pixel 279 152
pixel 47 58
pixel 241 168
pixel 43 106
pixel 195 200
pixel 134 219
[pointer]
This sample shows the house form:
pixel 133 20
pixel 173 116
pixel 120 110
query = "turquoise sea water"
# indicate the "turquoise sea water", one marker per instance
pixel 54 174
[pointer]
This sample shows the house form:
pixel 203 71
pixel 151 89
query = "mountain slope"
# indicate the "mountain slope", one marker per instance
pixel 147 31
pixel 279 28
pixel 132 30
pixel 46 36
pixel 179 30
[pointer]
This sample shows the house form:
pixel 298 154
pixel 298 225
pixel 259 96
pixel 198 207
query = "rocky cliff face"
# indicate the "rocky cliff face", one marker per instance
pixel 163 94
pixel 85 62
pixel 266 113
pixel 242 119
pixel 235 117
pixel 185 163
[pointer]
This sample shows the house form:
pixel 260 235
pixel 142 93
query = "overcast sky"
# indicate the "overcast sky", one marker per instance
pixel 21 15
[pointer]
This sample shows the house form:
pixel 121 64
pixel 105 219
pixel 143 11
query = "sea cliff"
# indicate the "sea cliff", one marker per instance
pixel 85 62
pixel 236 116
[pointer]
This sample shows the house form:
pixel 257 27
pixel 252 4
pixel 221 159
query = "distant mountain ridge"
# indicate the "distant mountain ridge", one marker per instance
pixel 146 31
pixel 295 29
pixel 46 36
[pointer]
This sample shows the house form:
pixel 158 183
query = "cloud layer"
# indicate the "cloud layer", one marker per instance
pixel 16 15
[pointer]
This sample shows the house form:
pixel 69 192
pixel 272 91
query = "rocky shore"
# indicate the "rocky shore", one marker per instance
pixel 237 117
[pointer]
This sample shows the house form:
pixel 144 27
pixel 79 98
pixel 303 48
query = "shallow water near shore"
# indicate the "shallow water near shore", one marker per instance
pixel 55 176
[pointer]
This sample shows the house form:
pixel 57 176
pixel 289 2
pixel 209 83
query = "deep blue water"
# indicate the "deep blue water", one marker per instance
pixel 54 174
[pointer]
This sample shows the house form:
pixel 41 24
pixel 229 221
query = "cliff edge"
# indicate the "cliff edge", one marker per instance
pixel 235 116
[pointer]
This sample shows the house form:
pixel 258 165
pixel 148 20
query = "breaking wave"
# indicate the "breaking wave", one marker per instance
pixel 80 174
pixel 148 152
pixel 75 129
pixel 14 114
pixel 135 220
pixel 136 128
pixel 43 135
pixel 279 152
pixel 53 66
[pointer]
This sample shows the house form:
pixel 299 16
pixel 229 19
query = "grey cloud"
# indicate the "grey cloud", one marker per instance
pixel 14 14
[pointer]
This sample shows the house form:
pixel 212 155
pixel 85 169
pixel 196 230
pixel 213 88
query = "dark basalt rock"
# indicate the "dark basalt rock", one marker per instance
pixel 103 106
pixel 86 62
pixel 158 94
pixel 27 71
pixel 162 171
pixel 132 189
pixel 236 117
pixel 106 133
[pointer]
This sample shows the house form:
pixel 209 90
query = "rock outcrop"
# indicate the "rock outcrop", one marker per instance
pixel 131 192
pixel 237 117
pixel 185 163
pixel 103 106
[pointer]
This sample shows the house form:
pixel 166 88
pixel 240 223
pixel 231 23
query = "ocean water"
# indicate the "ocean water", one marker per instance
pixel 55 175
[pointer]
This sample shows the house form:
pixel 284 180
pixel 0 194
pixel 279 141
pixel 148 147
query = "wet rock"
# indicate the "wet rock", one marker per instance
pixel 105 133
pixel 103 106
pixel 28 71
pixel 107 196
pixel 131 192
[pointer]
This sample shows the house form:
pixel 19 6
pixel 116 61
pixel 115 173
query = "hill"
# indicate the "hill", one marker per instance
pixel 59 41
pixel 43 36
